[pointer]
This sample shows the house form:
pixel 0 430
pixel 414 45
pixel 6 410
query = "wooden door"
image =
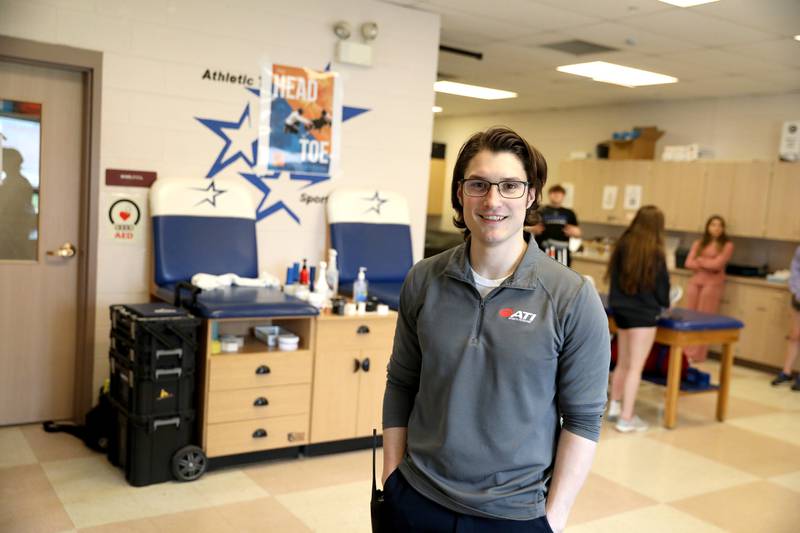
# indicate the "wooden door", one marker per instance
pixel 783 221
pixel 335 395
pixel 749 197
pixel 372 385
pixel 677 189
pixel 42 115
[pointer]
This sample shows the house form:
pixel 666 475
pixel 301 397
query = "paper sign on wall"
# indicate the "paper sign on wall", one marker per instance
pixel 569 196
pixel 300 119
pixel 609 197
pixel 633 197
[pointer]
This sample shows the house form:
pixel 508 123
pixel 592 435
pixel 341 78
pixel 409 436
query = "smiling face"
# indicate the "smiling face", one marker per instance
pixel 492 219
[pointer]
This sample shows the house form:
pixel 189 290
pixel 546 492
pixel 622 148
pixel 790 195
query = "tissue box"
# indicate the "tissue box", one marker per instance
pixel 642 147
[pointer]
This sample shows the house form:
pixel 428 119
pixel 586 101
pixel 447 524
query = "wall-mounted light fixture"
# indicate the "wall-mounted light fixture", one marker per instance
pixel 354 53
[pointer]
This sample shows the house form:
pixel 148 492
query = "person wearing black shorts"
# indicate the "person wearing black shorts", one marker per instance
pixel 793 339
pixel 639 290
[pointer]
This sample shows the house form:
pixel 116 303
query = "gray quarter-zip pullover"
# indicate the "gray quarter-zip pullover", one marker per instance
pixel 482 383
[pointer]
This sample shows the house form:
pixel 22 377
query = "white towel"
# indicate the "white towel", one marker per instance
pixel 210 281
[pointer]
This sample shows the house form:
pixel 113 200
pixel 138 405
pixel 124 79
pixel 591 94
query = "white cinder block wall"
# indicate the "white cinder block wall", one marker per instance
pixel 739 128
pixel 155 54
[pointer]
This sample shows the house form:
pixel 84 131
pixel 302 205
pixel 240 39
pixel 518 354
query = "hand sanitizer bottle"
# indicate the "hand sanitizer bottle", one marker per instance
pixel 360 286
pixel 333 273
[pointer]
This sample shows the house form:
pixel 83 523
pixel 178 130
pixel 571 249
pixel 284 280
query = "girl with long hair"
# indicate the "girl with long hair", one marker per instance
pixel 639 289
pixel 707 259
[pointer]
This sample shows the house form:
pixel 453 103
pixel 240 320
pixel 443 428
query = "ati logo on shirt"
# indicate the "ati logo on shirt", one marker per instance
pixel 518 316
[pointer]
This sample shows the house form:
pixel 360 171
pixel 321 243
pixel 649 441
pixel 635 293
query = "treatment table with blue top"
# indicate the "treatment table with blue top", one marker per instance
pixel 679 328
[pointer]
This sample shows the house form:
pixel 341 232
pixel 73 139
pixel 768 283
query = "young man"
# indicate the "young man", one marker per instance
pixel 557 223
pixel 495 343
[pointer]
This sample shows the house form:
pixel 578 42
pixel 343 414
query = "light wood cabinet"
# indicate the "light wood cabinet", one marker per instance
pixel 258 398
pixel 593 268
pixel 783 220
pixel 677 189
pixel 756 198
pixel 350 375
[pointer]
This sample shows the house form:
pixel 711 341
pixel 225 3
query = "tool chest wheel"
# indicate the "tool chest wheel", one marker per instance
pixel 189 463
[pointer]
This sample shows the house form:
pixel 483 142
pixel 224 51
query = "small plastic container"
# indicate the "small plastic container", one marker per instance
pixel 229 343
pixel 288 342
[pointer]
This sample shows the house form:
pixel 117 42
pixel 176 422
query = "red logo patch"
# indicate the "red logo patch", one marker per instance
pixel 125 215
pixel 506 312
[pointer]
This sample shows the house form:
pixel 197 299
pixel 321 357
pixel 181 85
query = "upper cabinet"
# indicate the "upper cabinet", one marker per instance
pixel 783 207
pixel 756 198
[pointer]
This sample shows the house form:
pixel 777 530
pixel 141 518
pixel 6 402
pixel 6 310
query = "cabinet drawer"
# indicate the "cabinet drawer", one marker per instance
pixel 241 437
pixel 258 370
pixel 249 404
pixel 375 334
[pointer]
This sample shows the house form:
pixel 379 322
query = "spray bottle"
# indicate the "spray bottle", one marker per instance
pixel 360 286
pixel 321 285
pixel 333 272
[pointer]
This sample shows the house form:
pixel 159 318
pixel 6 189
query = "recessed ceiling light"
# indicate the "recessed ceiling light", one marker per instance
pixel 797 37
pixel 471 91
pixel 437 109
pixel 688 3
pixel 616 74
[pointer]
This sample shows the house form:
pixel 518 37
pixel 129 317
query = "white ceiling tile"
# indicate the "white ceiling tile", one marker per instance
pixel 609 9
pixel 685 25
pixel 721 61
pixel 781 16
pixel 775 53
pixel 519 13
pixel 618 35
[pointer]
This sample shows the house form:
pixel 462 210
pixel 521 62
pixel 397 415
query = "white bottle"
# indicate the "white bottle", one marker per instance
pixel 333 273
pixel 321 284
pixel 360 286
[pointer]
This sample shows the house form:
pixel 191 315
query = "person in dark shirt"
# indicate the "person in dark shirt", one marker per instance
pixel 556 223
pixel 639 290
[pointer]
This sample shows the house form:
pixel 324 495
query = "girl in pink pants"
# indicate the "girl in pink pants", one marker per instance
pixel 707 259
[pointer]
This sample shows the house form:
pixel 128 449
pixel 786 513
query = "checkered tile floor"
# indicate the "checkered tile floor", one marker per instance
pixel 704 476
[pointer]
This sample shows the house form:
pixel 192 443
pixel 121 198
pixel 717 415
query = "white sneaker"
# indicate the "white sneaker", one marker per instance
pixel 634 424
pixel 614 409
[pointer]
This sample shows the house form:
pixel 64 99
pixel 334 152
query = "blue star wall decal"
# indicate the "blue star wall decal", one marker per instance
pixel 250 156
pixel 378 203
pixel 261 211
pixel 211 197
pixel 223 160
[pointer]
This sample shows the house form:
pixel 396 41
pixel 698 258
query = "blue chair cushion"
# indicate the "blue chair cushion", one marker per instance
pixel 242 302
pixel 385 249
pixel 187 245
pixel 680 319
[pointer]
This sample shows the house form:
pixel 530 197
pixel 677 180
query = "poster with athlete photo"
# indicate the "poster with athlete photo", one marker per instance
pixel 300 119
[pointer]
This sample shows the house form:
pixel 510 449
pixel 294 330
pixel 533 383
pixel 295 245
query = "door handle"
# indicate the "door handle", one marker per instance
pixel 357 366
pixel 365 365
pixel 260 433
pixel 260 402
pixel 66 250
pixel 362 330
pixel 262 370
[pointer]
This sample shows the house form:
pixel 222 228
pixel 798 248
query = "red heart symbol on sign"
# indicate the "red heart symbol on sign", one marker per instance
pixel 125 215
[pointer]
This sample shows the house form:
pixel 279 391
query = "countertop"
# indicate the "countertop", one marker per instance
pixel 757 282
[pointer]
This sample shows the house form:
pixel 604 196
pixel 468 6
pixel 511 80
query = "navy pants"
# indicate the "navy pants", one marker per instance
pixel 408 511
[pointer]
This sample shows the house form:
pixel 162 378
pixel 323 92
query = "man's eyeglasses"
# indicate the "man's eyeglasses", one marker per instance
pixel 507 189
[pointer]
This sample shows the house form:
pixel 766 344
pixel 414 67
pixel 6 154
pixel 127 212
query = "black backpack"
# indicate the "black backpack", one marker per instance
pixel 99 425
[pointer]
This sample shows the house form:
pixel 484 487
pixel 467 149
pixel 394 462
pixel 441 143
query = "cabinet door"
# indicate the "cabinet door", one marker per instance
pixel 372 384
pixel 630 173
pixel 783 221
pixel 583 176
pixel 335 395
pixel 594 269
pixel 749 197
pixel 677 189
pixel 718 190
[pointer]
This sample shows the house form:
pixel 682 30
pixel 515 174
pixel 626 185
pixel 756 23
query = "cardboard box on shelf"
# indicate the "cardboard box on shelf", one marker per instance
pixel 643 147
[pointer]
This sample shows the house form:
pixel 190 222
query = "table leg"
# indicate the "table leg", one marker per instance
pixel 724 381
pixel 673 386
